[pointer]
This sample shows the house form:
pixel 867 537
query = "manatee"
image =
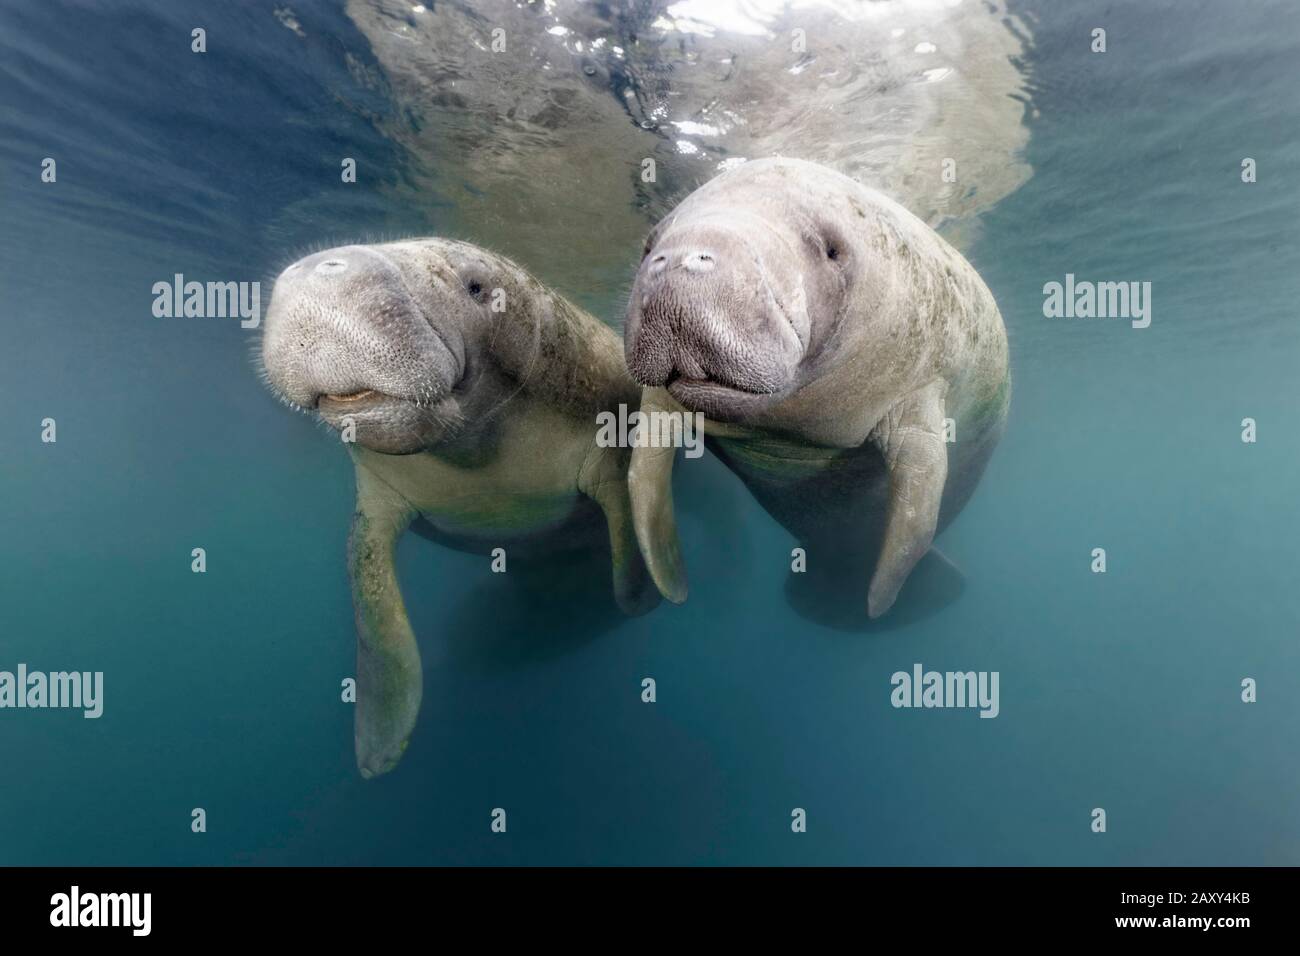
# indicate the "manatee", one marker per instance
pixel 851 365
pixel 470 393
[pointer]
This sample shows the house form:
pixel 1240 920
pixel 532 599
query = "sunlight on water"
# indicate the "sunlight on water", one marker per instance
pixel 553 135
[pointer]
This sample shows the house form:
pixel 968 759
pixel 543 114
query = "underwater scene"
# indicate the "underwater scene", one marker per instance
pixel 713 432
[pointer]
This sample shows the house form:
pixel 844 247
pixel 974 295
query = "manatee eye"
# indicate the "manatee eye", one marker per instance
pixel 649 242
pixel 475 288
pixel 832 251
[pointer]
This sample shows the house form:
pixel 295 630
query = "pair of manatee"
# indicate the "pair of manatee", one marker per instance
pixel 832 340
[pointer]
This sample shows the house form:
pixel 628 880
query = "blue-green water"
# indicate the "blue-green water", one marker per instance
pixel 222 690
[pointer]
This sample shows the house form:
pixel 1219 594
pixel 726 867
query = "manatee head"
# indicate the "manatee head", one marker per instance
pixel 741 286
pixel 376 337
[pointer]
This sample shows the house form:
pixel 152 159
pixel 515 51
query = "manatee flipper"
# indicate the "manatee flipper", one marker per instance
pixel 650 485
pixel 604 480
pixel 910 437
pixel 389 679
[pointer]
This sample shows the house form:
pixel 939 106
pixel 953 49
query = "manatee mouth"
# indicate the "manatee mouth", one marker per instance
pixel 329 406
pixel 342 399
pixel 389 423
pixel 723 403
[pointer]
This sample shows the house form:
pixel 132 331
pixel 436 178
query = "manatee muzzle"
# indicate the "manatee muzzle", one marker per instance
pixel 713 323
pixel 345 336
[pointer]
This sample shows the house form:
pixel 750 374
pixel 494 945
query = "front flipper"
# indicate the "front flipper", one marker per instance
pixel 910 437
pixel 604 480
pixel 389 679
pixel 650 485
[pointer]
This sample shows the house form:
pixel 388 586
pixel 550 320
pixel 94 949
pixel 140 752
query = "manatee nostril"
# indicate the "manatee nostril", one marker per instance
pixel 331 266
pixel 698 261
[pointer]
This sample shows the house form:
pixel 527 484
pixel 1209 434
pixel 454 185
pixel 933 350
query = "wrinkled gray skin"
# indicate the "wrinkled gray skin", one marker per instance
pixel 480 422
pixel 826 333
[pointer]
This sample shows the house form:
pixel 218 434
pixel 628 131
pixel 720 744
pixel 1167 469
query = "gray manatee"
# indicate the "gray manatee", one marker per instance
pixel 827 334
pixel 471 392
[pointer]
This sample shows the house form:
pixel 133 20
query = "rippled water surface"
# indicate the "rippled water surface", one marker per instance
pixel 1119 690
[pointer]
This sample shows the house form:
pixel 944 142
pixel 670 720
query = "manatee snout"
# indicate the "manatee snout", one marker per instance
pixel 718 316
pixel 350 336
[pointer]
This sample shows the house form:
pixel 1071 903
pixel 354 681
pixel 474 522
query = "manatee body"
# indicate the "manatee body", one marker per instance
pixel 834 341
pixel 468 394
